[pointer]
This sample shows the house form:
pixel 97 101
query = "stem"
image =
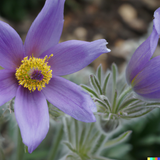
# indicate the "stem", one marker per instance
pixel 67 123
pixel 2 156
pixel 55 145
pixel 98 145
pixel 20 146
pixel 76 134
pixel 86 140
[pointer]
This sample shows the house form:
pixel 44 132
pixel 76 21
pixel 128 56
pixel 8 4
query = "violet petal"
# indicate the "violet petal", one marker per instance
pixel 8 85
pixel 141 56
pixel 46 29
pixel 70 98
pixel 71 56
pixel 11 47
pixel 32 116
pixel 146 83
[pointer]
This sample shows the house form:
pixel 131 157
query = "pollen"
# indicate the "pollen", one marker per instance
pixel 34 73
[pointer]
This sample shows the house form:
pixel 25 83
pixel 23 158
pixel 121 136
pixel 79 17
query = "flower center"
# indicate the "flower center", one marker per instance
pixel 34 73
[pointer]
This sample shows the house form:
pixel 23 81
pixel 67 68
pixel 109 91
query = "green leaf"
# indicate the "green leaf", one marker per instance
pixel 69 145
pixel 67 126
pixel 86 140
pixel 99 74
pixel 114 71
pixel 123 88
pixel 82 136
pixel 120 139
pixel 54 112
pixel 138 114
pixel 122 96
pixel 118 151
pixel 100 158
pixel 153 104
pixel 114 102
pixel 114 76
pixel 98 85
pixel 55 144
pixel 127 103
pixel 93 138
pixel 105 83
pixel 73 157
pixel 98 144
pixel 136 110
pixel 106 100
pixel 89 90
pixel 93 83
pixel 103 104
pixel 76 131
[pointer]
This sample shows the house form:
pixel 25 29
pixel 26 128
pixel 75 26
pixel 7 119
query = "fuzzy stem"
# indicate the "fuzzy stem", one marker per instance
pixel 20 146
pixel 55 144
pixel 76 134
pixel 68 128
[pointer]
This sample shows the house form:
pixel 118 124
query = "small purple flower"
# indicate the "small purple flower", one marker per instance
pixel 31 73
pixel 143 71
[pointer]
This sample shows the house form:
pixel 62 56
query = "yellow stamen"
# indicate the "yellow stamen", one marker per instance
pixel 34 65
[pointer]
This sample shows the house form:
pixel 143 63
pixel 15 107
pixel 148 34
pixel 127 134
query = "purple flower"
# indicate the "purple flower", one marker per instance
pixel 31 73
pixel 143 71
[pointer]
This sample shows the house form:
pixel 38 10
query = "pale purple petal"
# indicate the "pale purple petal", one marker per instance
pixel 11 47
pixel 141 56
pixel 46 30
pixel 32 116
pixel 147 82
pixel 156 20
pixel 69 98
pixel 72 56
pixel 8 85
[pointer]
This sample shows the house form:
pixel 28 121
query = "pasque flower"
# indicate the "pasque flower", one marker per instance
pixel 143 71
pixel 32 73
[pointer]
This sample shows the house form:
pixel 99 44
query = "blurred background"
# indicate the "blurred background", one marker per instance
pixel 125 24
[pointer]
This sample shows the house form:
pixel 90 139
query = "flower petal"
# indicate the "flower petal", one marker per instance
pixel 11 47
pixel 156 20
pixel 32 116
pixel 8 86
pixel 72 56
pixel 141 56
pixel 69 98
pixel 147 82
pixel 46 30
